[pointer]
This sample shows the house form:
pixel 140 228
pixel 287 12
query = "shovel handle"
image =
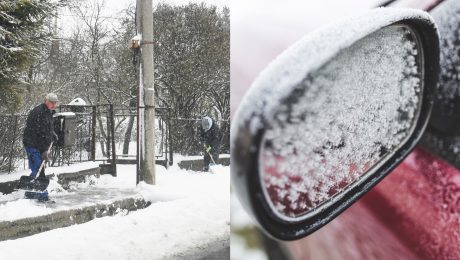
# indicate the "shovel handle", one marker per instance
pixel 43 162
pixel 212 159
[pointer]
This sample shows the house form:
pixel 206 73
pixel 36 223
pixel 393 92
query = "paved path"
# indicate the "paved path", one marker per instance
pixel 70 208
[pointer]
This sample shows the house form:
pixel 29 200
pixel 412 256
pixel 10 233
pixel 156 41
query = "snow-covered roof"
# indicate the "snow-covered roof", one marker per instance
pixel 77 102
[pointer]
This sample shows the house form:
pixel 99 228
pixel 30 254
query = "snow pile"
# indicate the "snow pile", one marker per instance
pixel 190 210
pixel 22 208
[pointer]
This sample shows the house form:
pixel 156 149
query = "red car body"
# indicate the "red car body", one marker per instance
pixel 414 213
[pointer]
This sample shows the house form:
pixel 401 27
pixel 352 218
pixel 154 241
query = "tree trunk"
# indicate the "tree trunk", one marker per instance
pixel 103 134
pixel 128 133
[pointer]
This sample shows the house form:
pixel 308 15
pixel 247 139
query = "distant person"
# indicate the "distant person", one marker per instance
pixel 210 136
pixel 39 133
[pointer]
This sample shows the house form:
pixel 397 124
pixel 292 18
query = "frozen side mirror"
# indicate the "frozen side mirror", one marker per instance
pixel 331 116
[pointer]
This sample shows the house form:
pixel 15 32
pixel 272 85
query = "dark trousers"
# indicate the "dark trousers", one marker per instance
pixel 35 160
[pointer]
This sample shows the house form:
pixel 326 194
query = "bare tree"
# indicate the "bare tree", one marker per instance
pixel 192 66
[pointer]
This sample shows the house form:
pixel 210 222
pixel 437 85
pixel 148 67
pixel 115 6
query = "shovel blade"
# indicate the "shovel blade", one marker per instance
pixel 30 183
pixel 40 196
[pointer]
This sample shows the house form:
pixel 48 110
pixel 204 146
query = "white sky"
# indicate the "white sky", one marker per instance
pixel 112 8
pixel 219 3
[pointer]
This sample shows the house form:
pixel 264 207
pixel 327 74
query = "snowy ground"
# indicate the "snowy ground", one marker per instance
pixel 189 211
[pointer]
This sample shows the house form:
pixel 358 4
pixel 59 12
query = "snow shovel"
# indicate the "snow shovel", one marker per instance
pixel 213 164
pixel 34 183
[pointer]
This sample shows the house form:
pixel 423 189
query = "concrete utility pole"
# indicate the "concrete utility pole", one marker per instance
pixel 147 159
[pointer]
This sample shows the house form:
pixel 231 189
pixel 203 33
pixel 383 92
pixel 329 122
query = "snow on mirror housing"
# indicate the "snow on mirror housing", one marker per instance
pixel 341 122
pixel 331 116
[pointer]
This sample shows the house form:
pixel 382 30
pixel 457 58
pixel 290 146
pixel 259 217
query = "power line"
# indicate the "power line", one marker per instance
pixel 85 16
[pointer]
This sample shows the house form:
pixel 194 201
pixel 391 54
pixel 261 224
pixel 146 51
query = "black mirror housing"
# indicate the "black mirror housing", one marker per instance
pixel 251 121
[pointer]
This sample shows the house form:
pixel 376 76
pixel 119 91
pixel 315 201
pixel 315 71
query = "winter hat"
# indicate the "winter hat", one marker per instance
pixel 52 97
pixel 206 123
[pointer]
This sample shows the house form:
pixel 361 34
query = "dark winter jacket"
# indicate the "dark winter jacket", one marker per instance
pixel 39 128
pixel 212 137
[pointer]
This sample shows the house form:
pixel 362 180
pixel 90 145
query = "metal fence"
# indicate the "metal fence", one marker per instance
pixel 104 133
pixel 79 135
pixel 186 136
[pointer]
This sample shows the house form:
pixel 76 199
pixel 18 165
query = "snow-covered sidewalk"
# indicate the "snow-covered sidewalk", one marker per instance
pixel 13 176
pixel 189 211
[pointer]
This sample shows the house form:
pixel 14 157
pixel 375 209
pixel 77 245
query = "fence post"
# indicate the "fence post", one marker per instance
pixel 112 130
pixel 93 134
pixel 107 141
pixel 171 160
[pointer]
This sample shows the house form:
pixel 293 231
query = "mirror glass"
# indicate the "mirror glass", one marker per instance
pixel 340 122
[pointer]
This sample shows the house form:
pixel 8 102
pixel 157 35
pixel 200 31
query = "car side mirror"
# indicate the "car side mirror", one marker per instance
pixel 332 116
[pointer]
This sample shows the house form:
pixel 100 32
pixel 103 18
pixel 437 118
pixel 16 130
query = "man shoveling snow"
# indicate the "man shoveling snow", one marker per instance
pixel 210 136
pixel 37 139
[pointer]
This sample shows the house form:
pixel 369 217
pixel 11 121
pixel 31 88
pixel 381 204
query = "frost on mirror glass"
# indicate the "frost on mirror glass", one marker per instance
pixel 341 121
